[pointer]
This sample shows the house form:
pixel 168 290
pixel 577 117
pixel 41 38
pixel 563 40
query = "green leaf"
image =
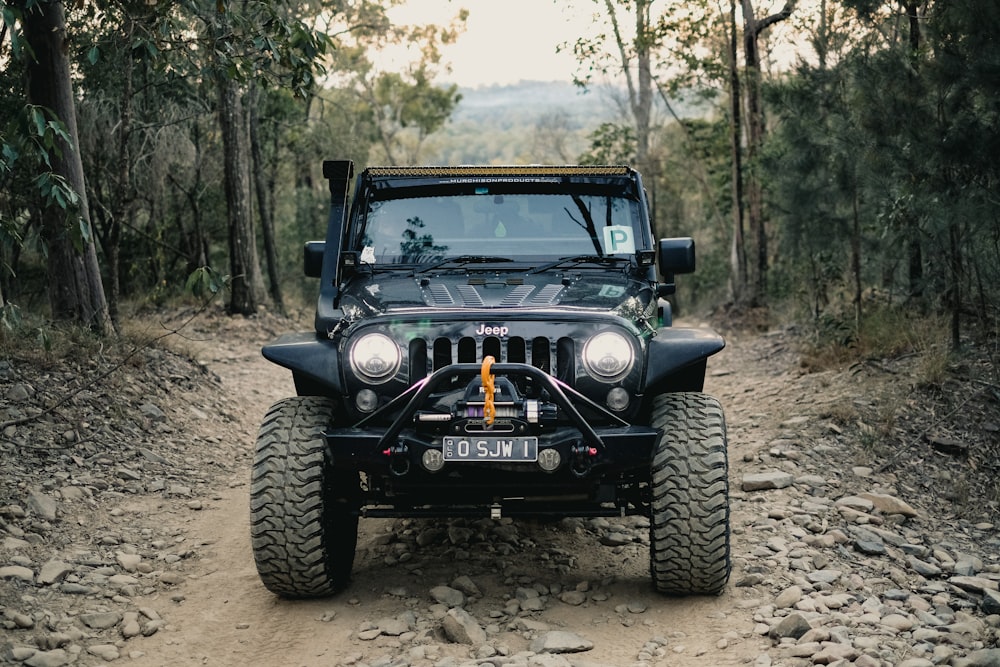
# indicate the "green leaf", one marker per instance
pixel 38 119
pixel 205 282
pixel 93 54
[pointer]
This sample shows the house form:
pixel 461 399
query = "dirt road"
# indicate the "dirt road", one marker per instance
pixel 224 616
pixel 137 549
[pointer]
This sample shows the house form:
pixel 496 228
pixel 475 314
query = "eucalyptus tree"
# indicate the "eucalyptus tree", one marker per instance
pixel 402 107
pixel 622 47
pixel 37 29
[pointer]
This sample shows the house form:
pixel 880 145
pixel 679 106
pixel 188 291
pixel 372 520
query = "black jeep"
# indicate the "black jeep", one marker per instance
pixel 490 342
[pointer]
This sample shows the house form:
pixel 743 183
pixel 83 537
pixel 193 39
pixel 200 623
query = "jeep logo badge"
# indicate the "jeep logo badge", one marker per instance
pixel 486 330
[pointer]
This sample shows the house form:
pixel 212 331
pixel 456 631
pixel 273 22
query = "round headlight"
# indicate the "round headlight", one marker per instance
pixel 607 356
pixel 375 357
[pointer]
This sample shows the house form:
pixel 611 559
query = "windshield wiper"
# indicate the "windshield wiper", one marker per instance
pixel 580 259
pixel 462 260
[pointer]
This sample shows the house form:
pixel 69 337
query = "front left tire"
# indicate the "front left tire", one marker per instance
pixel 303 509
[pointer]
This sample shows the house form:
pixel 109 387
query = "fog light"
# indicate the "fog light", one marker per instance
pixel 432 459
pixel 366 400
pixel 549 460
pixel 617 399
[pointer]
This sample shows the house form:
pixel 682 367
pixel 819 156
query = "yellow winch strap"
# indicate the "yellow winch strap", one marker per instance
pixel 489 409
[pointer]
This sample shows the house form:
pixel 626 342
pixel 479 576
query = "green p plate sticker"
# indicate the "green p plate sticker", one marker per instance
pixel 618 239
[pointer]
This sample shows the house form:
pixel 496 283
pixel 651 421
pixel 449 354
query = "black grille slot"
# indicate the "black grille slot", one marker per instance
pixel 418 360
pixel 442 353
pixel 491 347
pixel 565 354
pixel 516 350
pixel 553 357
pixel 541 355
pixel 467 351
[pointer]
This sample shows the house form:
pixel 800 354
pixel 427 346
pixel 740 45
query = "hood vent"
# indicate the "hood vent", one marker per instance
pixel 485 295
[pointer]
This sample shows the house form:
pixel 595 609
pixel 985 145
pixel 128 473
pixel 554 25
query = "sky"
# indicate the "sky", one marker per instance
pixel 505 41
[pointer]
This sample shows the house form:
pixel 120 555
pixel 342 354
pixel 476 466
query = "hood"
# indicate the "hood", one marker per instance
pixel 388 293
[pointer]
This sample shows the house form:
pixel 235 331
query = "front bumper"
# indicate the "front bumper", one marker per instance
pixel 391 447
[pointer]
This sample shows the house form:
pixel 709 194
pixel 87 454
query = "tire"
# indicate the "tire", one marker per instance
pixel 303 512
pixel 689 514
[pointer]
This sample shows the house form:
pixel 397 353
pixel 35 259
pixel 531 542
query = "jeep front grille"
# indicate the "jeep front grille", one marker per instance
pixel 555 357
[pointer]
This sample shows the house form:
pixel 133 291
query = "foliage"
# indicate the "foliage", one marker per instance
pixel 879 163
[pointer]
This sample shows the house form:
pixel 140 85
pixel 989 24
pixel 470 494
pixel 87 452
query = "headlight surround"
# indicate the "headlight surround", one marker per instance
pixel 608 356
pixel 375 357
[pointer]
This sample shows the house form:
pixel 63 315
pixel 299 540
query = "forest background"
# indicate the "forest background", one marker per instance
pixel 835 160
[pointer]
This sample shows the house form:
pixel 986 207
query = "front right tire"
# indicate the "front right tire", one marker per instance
pixel 303 510
pixel 689 522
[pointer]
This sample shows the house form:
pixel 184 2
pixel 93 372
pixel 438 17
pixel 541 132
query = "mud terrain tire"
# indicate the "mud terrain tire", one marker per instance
pixel 303 512
pixel 689 522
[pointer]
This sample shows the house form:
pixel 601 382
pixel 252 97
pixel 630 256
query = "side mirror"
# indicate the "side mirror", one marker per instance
pixel 676 256
pixel 313 259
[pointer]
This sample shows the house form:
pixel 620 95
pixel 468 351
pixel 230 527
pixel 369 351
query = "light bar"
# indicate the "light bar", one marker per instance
pixel 506 170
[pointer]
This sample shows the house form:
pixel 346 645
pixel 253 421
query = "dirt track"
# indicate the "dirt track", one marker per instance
pixel 228 618
pixel 808 549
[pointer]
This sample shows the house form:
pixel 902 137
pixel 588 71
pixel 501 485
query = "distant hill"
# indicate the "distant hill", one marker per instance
pixel 530 121
pixel 544 122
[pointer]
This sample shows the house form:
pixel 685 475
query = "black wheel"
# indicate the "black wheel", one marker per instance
pixel 303 511
pixel 689 522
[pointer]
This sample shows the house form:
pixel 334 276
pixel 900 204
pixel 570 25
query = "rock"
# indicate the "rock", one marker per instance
pixel 42 505
pixel 466 585
pixel 101 620
pixel 152 412
pixel 989 657
pixel 20 620
pixel 974 584
pixel 887 504
pixel 152 456
pixel 616 539
pixel 107 652
pixel 991 602
pixel 53 572
pixel 794 625
pixel 449 596
pixel 461 628
pixel 54 658
pixel 766 481
pixel 393 627
pixel 18 572
pixel 19 392
pixel 559 641
pixel 857 503
pixel 898 622
pixel 947 445
pixel 129 562
pixel 832 652
pixel 573 598
pixel 130 625
pixel 788 597
pixel 171 578
pixel 923 568
pixel 870 548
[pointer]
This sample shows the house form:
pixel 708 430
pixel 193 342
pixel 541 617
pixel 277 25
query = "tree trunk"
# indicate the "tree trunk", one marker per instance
pixel 244 270
pixel 640 84
pixel 856 261
pixel 122 198
pixel 915 264
pixel 76 291
pixel 752 29
pixel 738 257
pixel 263 209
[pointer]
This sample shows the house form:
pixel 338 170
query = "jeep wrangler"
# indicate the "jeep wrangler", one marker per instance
pixel 491 342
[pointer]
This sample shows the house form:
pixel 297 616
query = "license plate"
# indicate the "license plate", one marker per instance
pixel 490 448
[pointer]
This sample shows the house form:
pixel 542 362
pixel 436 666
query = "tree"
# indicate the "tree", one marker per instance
pixel 629 56
pixel 753 28
pixel 76 290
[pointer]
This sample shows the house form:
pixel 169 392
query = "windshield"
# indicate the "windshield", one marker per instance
pixel 519 226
